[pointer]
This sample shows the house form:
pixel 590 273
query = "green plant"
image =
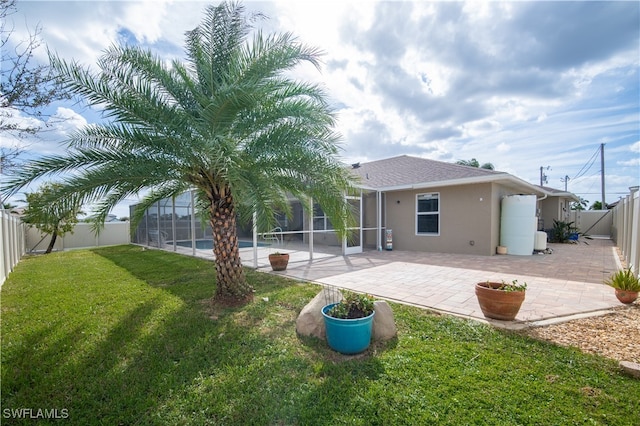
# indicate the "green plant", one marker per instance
pixel 509 287
pixel 561 231
pixel 51 214
pixel 565 232
pixel 354 305
pixel 624 280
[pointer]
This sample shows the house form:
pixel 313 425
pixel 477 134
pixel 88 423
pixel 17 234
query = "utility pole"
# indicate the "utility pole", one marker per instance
pixel 566 181
pixel 543 177
pixel 602 174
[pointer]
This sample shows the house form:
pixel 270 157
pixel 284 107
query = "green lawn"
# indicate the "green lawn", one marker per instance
pixel 124 336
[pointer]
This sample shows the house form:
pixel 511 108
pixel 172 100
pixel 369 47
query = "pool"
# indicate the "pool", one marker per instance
pixel 208 244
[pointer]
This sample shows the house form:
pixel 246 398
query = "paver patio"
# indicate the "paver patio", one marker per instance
pixel 561 285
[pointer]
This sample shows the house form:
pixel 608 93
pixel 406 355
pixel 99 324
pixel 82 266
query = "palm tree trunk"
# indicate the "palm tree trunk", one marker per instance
pixel 54 235
pixel 232 285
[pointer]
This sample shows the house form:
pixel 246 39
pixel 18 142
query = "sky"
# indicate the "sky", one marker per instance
pixel 532 87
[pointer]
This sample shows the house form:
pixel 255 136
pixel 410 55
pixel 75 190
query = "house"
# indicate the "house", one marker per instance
pixel 557 206
pixel 435 206
pixel 425 205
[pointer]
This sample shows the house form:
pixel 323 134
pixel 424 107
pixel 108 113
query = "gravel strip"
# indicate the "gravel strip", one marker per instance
pixel 615 335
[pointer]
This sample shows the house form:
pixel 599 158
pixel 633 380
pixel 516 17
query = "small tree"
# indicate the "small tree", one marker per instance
pixel 26 87
pixel 51 215
pixel 474 163
pixel 597 205
pixel 579 205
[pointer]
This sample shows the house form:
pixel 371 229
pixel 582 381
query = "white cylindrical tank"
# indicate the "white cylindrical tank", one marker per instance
pixel 518 224
pixel 541 241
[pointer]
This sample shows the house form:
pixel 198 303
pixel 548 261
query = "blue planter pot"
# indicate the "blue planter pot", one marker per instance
pixel 348 336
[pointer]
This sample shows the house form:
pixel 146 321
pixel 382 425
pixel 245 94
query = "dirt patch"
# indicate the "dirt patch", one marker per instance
pixel 615 335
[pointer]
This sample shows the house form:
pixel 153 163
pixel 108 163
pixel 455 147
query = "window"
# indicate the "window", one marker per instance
pixel 320 221
pixel 428 214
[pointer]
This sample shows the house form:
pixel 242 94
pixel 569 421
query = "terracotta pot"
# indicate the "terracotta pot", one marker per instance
pixel 626 296
pixel 498 304
pixel 279 262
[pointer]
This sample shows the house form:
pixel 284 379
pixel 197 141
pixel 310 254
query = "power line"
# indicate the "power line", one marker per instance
pixel 592 160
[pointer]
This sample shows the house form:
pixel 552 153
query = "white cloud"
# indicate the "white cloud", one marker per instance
pixel 630 163
pixel 506 83
pixel 503 148
pixel 54 131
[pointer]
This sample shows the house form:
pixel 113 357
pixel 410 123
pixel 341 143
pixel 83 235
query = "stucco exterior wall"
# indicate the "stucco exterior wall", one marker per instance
pixel 469 219
pixel 549 210
pixel 468 222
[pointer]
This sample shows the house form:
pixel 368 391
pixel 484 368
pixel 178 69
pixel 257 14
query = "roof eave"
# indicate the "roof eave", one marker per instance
pixel 494 178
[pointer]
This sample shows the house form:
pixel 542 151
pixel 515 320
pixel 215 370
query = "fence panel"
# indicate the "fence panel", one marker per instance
pixel 626 227
pixel 593 222
pixel 113 233
pixel 12 243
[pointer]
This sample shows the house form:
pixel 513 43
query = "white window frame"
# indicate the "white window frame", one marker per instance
pixel 323 218
pixel 428 234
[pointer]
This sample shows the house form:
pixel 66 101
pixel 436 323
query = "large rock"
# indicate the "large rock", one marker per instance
pixel 384 325
pixel 310 322
pixel 631 368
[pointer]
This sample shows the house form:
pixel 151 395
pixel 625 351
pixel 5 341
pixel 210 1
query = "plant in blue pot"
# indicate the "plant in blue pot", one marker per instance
pixel 349 322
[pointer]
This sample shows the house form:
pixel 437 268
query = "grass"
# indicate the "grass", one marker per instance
pixel 119 335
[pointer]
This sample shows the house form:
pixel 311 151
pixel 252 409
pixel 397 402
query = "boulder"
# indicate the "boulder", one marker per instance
pixel 384 325
pixel 310 322
pixel 631 368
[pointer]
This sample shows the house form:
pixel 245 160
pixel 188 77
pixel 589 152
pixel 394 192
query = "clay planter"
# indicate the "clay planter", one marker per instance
pixel 498 304
pixel 626 296
pixel 279 261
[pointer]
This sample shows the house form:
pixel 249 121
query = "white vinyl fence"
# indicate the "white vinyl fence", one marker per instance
pixel 626 227
pixel 597 223
pixel 113 233
pixel 12 242
pixel 17 239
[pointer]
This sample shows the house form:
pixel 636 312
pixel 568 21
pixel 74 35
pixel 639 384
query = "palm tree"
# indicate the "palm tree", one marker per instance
pixel 579 205
pixel 474 163
pixel 229 122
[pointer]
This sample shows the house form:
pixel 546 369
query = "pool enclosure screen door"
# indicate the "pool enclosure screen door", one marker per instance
pixel 353 243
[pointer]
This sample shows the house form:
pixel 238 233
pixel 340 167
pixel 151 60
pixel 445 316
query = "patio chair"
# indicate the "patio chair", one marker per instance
pixel 157 238
pixel 274 235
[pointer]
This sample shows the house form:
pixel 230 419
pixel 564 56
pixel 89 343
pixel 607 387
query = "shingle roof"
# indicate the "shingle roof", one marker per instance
pixel 406 170
pixel 560 192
